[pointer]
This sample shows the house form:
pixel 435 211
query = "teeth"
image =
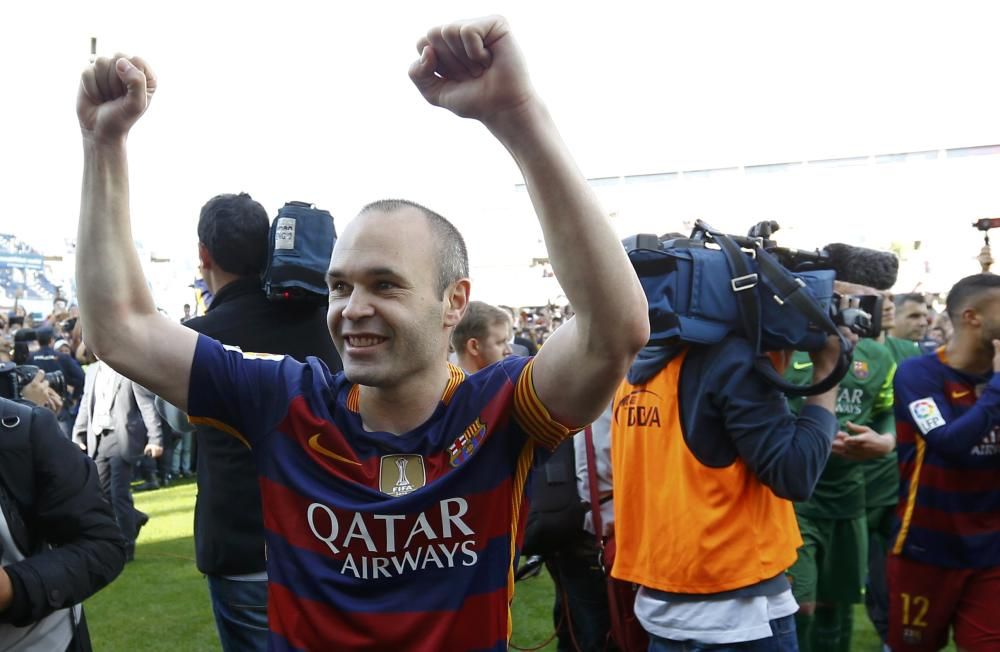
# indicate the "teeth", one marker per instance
pixel 363 341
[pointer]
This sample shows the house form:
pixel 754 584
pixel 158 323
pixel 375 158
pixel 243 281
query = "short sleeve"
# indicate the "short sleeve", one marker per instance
pixel 533 416
pixel 243 394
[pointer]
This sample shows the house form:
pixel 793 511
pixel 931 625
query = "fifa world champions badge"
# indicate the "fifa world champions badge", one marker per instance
pixel 926 414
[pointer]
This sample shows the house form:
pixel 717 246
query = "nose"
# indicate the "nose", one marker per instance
pixel 357 306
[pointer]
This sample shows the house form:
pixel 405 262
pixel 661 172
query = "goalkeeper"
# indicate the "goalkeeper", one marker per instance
pixel 829 573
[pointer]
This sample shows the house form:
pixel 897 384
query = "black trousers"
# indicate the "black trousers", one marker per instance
pixel 580 612
pixel 115 475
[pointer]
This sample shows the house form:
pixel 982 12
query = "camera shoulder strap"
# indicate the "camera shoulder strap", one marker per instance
pixel 791 290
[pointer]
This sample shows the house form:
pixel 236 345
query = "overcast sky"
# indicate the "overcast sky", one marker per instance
pixel 310 101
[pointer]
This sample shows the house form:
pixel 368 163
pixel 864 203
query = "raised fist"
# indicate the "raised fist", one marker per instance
pixel 473 68
pixel 113 94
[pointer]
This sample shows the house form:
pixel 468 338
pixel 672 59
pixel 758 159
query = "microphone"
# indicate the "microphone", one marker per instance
pixel 877 269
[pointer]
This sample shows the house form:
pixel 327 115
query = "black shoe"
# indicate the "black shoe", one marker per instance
pixel 148 485
pixel 140 520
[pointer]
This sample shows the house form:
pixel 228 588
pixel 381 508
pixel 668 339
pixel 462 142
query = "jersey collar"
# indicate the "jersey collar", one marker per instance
pixel 455 377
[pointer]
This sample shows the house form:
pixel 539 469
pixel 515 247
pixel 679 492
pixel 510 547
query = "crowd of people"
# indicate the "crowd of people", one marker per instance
pixel 368 465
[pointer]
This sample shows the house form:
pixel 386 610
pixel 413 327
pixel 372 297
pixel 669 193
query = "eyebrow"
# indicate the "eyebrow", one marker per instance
pixel 370 272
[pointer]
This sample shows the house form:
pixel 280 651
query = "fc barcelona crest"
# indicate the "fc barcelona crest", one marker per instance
pixel 399 475
pixel 860 369
pixel 462 448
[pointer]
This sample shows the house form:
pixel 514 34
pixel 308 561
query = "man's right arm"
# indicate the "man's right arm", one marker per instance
pixel 120 322
pixel 786 453
pixel 921 401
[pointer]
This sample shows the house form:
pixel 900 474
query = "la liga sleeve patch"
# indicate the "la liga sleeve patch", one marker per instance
pixel 926 414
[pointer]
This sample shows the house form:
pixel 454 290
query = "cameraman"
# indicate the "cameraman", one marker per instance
pixel 49 360
pixel 706 460
pixel 58 537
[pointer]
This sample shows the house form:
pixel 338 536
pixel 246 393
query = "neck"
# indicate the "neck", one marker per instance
pixel 965 354
pixel 403 407
pixel 217 279
pixel 467 363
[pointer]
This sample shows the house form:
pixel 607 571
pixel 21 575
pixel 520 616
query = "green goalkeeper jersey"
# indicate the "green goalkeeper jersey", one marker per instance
pixel 864 397
pixel 882 474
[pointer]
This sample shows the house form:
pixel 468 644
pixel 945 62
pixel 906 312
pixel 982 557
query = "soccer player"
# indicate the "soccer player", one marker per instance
pixel 943 567
pixel 393 493
pixel 829 573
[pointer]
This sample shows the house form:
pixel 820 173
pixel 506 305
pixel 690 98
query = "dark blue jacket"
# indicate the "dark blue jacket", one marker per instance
pixel 729 410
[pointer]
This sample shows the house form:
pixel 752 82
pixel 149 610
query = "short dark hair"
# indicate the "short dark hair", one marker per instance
pixel 452 256
pixel 966 291
pixel 914 297
pixel 44 336
pixel 234 229
pixel 476 322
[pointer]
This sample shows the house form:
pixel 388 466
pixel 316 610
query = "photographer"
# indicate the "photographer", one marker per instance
pixel 48 359
pixel 60 543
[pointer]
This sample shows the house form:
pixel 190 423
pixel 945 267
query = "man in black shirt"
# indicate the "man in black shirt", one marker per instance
pixel 228 527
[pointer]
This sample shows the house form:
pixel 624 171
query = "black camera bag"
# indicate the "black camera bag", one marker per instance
pixel 298 253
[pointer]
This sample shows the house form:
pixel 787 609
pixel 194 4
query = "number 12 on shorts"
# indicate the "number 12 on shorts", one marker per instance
pixel 920 604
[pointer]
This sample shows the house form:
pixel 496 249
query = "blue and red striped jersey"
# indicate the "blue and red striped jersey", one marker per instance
pixel 948 434
pixel 377 541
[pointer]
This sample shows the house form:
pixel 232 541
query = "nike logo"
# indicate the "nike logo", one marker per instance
pixel 322 450
pixel 960 394
pixel 801 365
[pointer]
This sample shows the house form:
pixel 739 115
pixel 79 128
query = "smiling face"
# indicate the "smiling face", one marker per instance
pixel 388 320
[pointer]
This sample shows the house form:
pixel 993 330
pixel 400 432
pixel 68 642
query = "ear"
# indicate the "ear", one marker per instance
pixel 456 301
pixel 472 347
pixel 971 317
pixel 204 256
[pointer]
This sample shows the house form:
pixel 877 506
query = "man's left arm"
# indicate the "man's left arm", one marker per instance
pixel 475 69
pixel 146 401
